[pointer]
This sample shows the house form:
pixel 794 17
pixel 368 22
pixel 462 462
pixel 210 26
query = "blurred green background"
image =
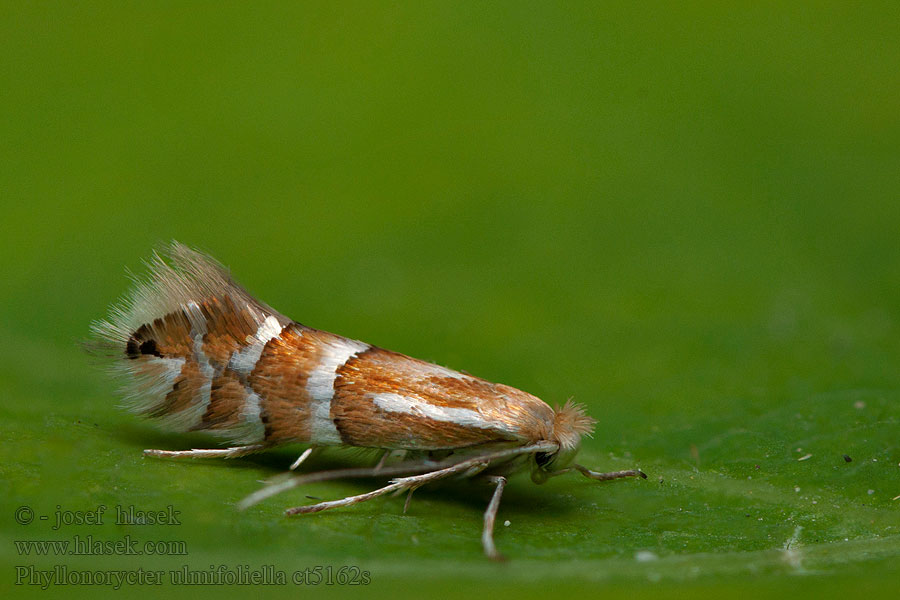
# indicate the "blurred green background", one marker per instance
pixel 685 217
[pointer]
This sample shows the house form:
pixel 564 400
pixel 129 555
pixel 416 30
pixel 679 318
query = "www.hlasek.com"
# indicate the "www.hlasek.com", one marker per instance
pixel 89 546
pixel 62 575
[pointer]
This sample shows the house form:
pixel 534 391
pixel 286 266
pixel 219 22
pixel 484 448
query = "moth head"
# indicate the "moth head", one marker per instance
pixel 570 422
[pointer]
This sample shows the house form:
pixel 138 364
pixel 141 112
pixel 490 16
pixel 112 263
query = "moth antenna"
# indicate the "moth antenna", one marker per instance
pixel 608 476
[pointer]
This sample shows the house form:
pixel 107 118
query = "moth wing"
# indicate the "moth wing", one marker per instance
pixel 386 399
pixel 183 341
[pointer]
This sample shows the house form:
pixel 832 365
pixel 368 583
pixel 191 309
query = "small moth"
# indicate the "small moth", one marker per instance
pixel 198 353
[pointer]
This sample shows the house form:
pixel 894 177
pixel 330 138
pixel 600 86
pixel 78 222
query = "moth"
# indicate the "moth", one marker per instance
pixel 196 352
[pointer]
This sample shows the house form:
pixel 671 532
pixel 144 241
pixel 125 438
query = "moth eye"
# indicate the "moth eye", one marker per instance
pixel 544 458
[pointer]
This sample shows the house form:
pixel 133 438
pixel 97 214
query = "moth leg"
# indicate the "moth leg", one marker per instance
pixel 608 476
pixel 490 515
pixel 409 498
pixel 302 510
pixel 401 483
pixel 382 460
pixel 404 482
pixel 306 454
pixel 475 470
pixel 206 452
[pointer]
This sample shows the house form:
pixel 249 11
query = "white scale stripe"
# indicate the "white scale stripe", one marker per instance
pixel 396 403
pixel 199 329
pixel 320 387
pixel 191 416
pixel 243 361
pixel 251 428
pixel 148 384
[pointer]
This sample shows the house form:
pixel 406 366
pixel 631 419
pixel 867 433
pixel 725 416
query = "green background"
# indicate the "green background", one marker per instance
pixel 685 217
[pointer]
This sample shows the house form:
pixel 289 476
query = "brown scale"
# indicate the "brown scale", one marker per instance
pixel 387 371
pixel 226 401
pixel 362 423
pixel 280 379
pixel 228 330
pixel 168 336
pixel 185 390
